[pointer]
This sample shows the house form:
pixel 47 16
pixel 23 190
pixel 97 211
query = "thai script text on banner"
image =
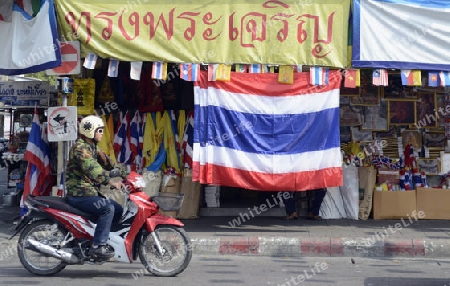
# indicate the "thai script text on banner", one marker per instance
pixel 275 32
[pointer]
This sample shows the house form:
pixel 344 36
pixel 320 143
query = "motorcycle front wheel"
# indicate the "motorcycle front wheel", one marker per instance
pixel 47 233
pixel 176 251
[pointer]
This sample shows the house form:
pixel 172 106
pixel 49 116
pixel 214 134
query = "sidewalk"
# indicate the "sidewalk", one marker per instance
pixel 272 236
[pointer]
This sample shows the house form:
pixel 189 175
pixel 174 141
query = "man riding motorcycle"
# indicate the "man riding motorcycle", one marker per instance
pixel 87 169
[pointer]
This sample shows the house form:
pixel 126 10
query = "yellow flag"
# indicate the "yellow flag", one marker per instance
pixel 223 72
pixel 105 144
pixel 358 77
pixel 83 95
pixel 110 126
pixel 150 146
pixel 159 127
pixel 272 69
pixel 106 93
pixel 180 126
pixel 286 75
pixel 416 77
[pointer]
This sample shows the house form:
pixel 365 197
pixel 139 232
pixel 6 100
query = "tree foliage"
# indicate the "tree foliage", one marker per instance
pixel 43 76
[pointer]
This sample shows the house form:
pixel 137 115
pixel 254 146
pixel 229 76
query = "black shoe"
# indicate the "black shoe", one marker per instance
pixel 102 251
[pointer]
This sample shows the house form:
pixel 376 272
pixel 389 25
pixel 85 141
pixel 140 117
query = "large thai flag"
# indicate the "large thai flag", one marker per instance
pixel 135 133
pixel 255 133
pixel 122 140
pixel 29 41
pixel 188 140
pixel 37 179
pixel 117 141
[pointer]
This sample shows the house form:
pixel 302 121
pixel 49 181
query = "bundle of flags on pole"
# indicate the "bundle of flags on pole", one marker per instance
pixel 38 178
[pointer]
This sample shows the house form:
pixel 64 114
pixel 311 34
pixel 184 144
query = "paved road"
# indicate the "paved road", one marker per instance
pixel 244 270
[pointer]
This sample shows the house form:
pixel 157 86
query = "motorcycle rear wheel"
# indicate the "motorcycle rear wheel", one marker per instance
pixel 177 247
pixel 36 262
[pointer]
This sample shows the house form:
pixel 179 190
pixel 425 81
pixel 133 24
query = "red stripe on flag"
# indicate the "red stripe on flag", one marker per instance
pixel 269 82
pixel 219 175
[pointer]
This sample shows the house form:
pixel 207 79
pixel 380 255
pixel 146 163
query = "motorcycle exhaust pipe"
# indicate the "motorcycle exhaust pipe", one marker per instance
pixel 56 253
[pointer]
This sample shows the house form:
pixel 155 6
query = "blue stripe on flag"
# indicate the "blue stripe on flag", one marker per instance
pixel 267 134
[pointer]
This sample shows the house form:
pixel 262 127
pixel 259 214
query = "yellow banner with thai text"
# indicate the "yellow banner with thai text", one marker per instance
pixel 294 32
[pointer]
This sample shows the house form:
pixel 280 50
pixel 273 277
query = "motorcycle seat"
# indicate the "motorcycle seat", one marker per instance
pixel 61 204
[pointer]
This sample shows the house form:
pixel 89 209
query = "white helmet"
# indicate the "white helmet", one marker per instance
pixel 89 125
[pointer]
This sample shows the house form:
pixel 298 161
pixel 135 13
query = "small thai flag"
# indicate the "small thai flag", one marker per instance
pixel 445 78
pixel 212 68
pixel 318 76
pixel 159 70
pixel 255 68
pixel 113 68
pixel 90 61
pixel 135 70
pixel 189 72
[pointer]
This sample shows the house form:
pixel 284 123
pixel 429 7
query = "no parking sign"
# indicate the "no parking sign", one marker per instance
pixel 62 123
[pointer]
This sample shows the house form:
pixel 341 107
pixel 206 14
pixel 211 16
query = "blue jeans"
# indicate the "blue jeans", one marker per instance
pixel 319 194
pixel 107 211
pixel 289 203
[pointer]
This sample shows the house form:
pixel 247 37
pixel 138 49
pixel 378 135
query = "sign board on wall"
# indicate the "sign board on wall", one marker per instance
pixel 24 93
pixel 62 123
pixel 70 59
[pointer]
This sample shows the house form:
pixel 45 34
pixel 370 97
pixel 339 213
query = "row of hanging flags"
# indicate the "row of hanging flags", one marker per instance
pixel 318 75
pixel 152 141
pixel 408 77
pixel 191 71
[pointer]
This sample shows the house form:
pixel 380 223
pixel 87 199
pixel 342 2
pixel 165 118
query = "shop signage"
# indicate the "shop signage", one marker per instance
pixel 70 59
pixel 24 93
pixel 272 32
pixel 62 123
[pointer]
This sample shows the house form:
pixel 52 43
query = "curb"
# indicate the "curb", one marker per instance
pixel 311 247
pixel 322 247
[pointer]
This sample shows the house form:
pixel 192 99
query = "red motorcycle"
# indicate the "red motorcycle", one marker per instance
pixel 54 234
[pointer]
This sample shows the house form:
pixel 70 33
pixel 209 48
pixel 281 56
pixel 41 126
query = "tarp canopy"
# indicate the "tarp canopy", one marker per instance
pixel 401 34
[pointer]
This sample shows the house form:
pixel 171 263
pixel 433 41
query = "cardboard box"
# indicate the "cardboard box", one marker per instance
pixel 393 205
pixel 434 203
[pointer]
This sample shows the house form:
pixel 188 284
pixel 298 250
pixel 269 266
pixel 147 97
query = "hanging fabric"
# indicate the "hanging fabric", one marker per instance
pixel 169 143
pixel 105 144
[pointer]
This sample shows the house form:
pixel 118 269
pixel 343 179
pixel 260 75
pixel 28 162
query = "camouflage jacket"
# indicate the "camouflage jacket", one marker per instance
pixel 86 170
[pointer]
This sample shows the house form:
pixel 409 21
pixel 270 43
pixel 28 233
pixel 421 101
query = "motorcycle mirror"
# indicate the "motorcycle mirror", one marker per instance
pixel 114 173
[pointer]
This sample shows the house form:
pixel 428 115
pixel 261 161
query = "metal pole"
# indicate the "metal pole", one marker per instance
pixel 65 155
